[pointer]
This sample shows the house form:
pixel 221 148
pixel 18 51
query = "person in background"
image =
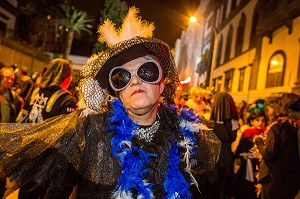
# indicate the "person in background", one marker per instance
pixel 246 179
pixel 225 115
pixel 180 99
pixel 127 139
pixel 10 101
pixel 280 150
pixel 10 106
pixel 196 100
pixel 51 98
pixel 24 83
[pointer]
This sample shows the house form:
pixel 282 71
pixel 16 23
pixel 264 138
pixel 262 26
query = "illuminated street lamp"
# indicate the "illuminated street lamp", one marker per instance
pixel 193 19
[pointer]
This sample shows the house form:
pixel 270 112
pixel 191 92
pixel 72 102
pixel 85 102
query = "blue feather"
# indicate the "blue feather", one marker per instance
pixel 134 160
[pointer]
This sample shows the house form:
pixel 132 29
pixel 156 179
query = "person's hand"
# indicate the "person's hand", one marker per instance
pixel 257 136
pixel 254 153
pixel 245 155
pixel 258 189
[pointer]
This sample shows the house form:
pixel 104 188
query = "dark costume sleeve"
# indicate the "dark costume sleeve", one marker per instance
pixel 66 145
pixel 207 151
pixel 67 104
pixel 271 148
pixel 29 151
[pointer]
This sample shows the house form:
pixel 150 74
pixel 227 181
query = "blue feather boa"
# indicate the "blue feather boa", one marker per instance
pixel 134 160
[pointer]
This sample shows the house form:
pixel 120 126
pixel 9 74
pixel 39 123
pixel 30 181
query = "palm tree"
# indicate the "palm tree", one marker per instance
pixel 74 21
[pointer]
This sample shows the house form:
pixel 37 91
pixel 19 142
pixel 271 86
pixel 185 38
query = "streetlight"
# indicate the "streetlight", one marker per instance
pixel 193 19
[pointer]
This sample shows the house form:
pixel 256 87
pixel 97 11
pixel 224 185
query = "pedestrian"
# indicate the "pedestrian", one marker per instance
pixel 10 106
pixel 280 150
pixel 23 83
pixel 49 99
pixel 10 101
pixel 245 154
pixel 225 115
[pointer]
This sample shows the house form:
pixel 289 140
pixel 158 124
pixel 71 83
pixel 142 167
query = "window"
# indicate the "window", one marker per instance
pixel 253 36
pixel 228 80
pixel 240 36
pixel 224 10
pixel 233 5
pixel 241 79
pixel 276 68
pixel 219 52
pixel 217 83
pixel 228 45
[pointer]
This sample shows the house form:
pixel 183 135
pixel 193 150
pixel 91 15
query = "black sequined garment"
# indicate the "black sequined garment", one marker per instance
pixel 69 150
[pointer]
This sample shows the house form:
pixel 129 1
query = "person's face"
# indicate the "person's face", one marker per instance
pixel 140 97
pixel 8 78
pixel 197 97
pixel 258 122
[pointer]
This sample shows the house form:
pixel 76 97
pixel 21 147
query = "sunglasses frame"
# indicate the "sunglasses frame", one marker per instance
pixel 134 72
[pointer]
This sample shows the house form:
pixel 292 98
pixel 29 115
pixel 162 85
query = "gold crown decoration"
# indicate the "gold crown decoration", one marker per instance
pixel 132 40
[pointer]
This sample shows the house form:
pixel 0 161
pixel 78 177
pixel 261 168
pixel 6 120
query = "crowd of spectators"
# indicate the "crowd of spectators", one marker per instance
pixel 260 153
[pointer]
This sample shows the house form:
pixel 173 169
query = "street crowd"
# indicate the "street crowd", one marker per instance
pixel 136 135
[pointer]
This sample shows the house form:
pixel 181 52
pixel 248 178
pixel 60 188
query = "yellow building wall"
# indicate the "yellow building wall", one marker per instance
pixel 10 56
pixel 289 43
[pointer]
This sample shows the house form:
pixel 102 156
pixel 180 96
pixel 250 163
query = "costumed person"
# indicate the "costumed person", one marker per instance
pixel 224 113
pixel 196 100
pixel 246 154
pixel 127 139
pixel 280 149
pixel 10 106
pixel 49 99
pixel 10 101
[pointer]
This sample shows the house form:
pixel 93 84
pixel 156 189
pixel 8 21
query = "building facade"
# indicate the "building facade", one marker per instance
pixel 8 16
pixel 255 50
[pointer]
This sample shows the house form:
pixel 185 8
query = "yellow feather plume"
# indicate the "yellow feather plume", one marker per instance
pixel 108 33
pixel 132 27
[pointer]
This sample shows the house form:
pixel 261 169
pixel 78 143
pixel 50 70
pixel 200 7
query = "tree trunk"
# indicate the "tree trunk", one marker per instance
pixel 69 44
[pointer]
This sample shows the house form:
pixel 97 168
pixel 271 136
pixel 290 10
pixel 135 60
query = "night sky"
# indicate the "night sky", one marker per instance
pixel 169 16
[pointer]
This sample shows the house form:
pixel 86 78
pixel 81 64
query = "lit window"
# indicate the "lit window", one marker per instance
pixel 276 67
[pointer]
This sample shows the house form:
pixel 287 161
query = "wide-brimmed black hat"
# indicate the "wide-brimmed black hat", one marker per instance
pixel 94 82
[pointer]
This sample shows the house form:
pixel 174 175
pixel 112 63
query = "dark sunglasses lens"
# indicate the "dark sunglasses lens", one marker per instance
pixel 120 78
pixel 148 72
